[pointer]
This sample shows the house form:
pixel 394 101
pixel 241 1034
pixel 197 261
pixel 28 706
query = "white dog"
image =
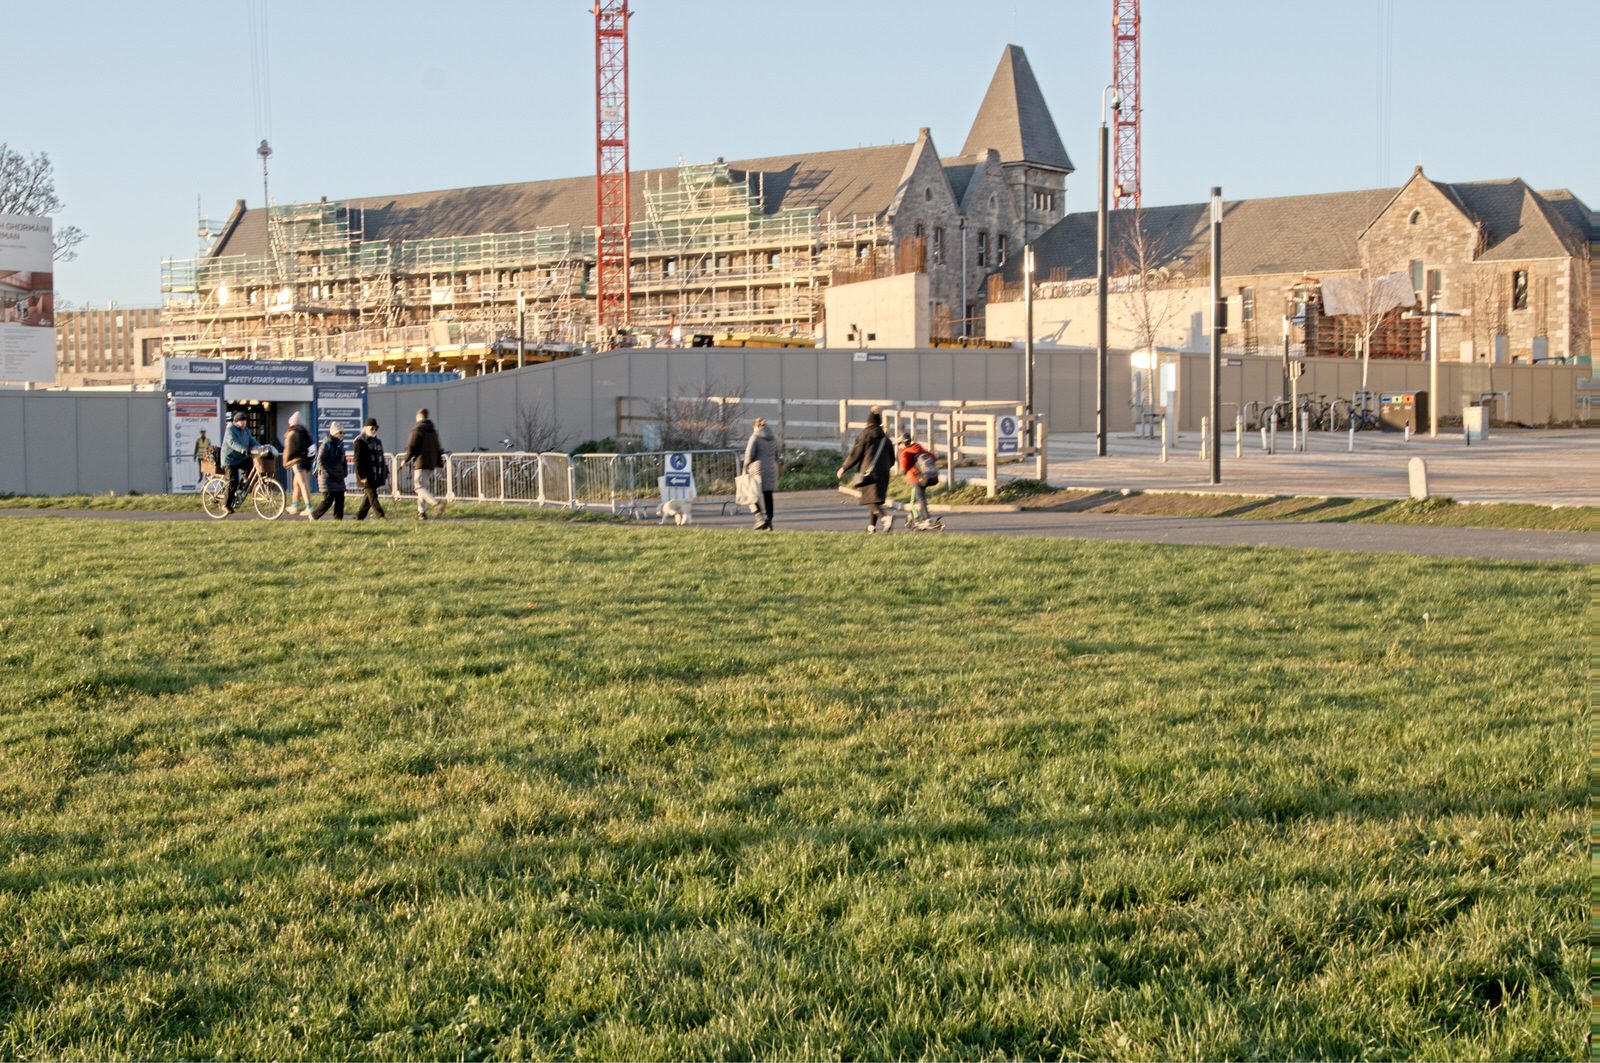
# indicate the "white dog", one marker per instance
pixel 680 510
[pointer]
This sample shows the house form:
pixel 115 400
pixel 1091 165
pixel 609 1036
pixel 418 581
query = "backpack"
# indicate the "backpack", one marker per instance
pixel 928 468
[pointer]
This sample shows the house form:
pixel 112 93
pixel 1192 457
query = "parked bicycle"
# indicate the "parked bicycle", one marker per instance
pixel 264 492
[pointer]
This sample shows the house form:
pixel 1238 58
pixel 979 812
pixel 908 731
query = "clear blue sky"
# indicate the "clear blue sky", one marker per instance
pixel 144 107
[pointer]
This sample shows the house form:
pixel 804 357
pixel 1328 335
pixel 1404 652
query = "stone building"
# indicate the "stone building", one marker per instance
pixel 749 246
pixel 1519 263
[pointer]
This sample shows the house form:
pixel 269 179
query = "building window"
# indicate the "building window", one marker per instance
pixel 1044 202
pixel 927 194
pixel 983 249
pixel 861 252
pixel 669 268
pixel 1415 217
pixel 774 260
pixel 938 243
pixel 1519 289
pixel 1000 249
pixel 1247 304
pixel 919 231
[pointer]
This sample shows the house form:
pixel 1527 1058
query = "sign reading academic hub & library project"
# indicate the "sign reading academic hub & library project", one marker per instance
pixel 27 300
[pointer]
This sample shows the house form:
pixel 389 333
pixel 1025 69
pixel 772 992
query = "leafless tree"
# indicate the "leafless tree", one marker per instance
pixel 534 433
pixel 704 419
pixel 1369 299
pixel 28 186
pixel 1150 284
pixel 1484 296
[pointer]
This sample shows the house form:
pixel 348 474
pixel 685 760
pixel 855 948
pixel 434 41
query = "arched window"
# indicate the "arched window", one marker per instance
pixel 1415 217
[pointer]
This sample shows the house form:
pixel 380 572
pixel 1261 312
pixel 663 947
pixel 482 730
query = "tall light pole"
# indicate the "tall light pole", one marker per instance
pixel 1027 354
pixel 1433 314
pixel 1101 274
pixel 965 324
pixel 1218 323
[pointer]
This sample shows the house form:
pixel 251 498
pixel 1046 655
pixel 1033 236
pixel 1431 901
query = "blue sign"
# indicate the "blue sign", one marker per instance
pixel 272 373
pixel 1007 439
pixel 678 479
pixel 678 461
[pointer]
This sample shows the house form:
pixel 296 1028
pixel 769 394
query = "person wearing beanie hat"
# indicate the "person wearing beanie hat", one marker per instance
pixel 874 455
pixel 297 460
pixel 331 472
pixel 372 471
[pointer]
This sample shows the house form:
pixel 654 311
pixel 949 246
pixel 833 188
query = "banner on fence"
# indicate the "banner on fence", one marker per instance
pixel 27 300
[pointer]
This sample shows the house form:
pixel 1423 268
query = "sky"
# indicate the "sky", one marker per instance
pixel 151 113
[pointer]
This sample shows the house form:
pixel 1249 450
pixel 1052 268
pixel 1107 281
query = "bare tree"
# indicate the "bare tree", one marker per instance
pixel 1150 289
pixel 1367 299
pixel 28 186
pixel 1484 296
pixel 534 433
pixel 704 419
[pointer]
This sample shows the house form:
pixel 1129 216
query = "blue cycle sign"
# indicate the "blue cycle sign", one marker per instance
pixel 679 471
pixel 1008 435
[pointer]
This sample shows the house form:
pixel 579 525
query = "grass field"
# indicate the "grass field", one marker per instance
pixel 467 791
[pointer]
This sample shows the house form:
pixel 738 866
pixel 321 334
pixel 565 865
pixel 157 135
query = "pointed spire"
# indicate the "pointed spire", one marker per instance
pixel 1014 120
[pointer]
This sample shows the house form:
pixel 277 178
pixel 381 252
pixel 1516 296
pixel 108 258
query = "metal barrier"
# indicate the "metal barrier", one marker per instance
pixel 619 483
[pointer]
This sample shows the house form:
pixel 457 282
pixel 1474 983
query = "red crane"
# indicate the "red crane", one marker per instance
pixel 1125 64
pixel 613 241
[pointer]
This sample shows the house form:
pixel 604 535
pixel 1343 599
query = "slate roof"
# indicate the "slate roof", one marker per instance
pixel 852 181
pixel 1295 234
pixel 1014 120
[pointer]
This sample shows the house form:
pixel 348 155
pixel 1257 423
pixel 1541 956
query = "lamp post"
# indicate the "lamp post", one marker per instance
pixel 1433 314
pixel 1109 93
pixel 1027 304
pixel 961 226
pixel 1218 323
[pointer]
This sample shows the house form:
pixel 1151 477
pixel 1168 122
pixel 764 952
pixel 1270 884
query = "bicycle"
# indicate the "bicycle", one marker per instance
pixel 264 492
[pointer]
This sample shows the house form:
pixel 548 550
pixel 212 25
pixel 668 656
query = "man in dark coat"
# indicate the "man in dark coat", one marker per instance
pixel 875 457
pixel 331 471
pixel 425 454
pixel 372 472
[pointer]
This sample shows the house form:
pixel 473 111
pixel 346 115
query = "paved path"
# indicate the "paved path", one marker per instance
pixel 833 511
pixel 1548 468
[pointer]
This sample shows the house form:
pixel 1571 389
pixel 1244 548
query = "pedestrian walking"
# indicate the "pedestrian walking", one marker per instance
pixel 237 443
pixel 761 458
pixel 920 467
pixel 372 471
pixel 426 456
pixel 297 460
pixel 331 472
pixel 874 456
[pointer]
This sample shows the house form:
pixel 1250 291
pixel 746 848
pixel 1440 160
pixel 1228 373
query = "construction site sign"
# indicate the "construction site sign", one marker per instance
pixel 27 300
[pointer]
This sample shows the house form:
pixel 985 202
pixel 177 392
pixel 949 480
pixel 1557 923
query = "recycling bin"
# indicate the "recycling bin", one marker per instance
pixel 1399 410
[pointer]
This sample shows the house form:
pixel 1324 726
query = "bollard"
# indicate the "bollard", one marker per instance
pixel 1238 436
pixel 1418 474
pixel 1351 447
pixel 1408 434
pixel 1305 431
pixel 1205 438
pixel 1163 440
pixel 1272 434
pixel 1264 439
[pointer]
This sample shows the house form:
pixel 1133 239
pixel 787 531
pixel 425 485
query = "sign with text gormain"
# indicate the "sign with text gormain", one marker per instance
pixel 27 300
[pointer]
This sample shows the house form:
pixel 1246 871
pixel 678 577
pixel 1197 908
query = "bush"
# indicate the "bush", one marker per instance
pixel 808 470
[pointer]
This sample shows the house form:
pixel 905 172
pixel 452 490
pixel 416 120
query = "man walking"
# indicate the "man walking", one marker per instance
pixel 331 471
pixel 425 455
pixel 372 472
pixel 202 453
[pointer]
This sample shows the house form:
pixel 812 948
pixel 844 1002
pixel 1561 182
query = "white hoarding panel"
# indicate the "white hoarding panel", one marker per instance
pixel 27 300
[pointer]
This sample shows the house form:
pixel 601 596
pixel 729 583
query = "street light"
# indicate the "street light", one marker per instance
pixel 1101 273
pixel 1433 314
pixel 1218 324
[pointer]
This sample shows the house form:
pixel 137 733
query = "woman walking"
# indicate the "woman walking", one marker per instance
pixel 297 460
pixel 875 457
pixel 762 452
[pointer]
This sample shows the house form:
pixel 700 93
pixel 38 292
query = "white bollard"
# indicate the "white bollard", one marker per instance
pixel 1205 438
pixel 1163 440
pixel 1408 434
pixel 1238 436
pixel 1272 434
pixel 1264 439
pixel 1351 447
pixel 1305 431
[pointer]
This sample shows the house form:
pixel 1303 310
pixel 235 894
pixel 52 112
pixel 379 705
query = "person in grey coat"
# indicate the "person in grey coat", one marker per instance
pixel 762 451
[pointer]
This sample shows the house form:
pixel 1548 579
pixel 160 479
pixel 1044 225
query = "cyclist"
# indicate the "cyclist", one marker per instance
pixel 237 443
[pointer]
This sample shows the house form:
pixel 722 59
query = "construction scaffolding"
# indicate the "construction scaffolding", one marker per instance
pixel 705 258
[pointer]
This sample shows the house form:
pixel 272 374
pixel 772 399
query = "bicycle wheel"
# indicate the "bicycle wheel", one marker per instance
pixel 214 497
pixel 268 499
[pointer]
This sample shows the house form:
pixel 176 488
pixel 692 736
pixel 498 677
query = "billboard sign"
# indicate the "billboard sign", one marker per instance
pixel 27 300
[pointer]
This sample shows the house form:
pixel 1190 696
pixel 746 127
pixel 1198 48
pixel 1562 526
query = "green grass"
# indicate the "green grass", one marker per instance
pixel 464 791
